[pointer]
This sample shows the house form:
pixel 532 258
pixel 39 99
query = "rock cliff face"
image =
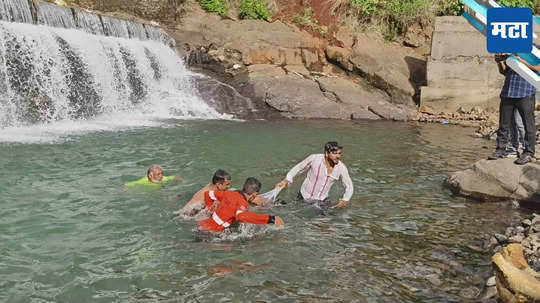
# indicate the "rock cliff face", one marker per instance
pixel 297 74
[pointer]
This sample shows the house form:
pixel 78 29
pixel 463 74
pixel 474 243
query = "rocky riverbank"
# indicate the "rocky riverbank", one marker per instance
pixel 516 263
pixel 298 75
pixel 485 122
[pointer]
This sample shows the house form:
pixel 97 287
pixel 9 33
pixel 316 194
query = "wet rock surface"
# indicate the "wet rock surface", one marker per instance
pixel 501 179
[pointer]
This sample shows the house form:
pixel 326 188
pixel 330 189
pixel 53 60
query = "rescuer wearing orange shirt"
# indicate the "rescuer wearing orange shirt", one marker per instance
pixel 228 207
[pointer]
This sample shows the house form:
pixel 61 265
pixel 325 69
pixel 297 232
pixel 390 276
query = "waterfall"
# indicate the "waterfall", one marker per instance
pixel 15 11
pixel 55 15
pixel 58 16
pixel 115 27
pixel 65 64
pixel 89 22
pixel 50 74
pixel 157 34
pixel 136 30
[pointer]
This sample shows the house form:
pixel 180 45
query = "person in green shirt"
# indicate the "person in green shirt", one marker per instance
pixel 154 179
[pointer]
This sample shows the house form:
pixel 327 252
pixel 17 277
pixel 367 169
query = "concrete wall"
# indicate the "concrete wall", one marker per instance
pixel 460 71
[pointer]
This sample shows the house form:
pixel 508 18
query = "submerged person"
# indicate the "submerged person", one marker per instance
pixel 221 181
pixel 154 179
pixel 324 170
pixel 228 207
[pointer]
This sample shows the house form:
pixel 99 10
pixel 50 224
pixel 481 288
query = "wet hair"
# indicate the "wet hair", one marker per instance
pixel 251 185
pixel 151 169
pixel 220 176
pixel 332 146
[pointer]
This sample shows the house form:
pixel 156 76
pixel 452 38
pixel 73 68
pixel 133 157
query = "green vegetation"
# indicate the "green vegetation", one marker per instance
pixel 324 31
pixel 395 16
pixel 520 3
pixel 220 7
pixel 308 20
pixel 455 7
pixel 450 8
pixel 254 9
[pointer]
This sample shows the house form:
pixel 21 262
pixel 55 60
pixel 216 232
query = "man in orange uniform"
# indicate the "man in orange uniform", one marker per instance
pixel 228 207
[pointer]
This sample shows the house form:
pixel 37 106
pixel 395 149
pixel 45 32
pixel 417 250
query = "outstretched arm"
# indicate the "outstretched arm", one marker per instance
pixel 253 218
pixel 171 178
pixel 299 168
pixel 260 201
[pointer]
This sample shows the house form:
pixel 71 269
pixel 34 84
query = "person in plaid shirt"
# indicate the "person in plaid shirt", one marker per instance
pixel 518 94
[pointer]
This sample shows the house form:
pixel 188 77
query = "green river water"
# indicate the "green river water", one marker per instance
pixel 68 232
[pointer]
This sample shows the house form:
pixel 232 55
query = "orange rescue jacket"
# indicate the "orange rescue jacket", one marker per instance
pixel 228 207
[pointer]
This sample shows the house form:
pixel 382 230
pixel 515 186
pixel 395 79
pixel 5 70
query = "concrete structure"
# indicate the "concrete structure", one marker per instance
pixel 460 71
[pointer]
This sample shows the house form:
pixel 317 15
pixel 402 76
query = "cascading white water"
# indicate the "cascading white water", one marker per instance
pixel 89 22
pixel 15 11
pixel 50 74
pixel 55 15
pixel 136 30
pixel 115 27
pixel 157 34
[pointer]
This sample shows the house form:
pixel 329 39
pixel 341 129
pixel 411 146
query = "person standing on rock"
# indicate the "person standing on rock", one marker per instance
pixel 517 93
pixel 324 170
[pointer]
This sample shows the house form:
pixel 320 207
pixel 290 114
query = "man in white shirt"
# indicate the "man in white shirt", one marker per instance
pixel 324 170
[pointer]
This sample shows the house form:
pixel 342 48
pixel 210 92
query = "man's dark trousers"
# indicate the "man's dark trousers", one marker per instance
pixel 525 106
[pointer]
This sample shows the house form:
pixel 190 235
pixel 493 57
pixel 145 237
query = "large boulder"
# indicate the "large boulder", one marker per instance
pixel 498 180
pixel 387 67
pixel 362 101
pixel 225 99
pixel 297 94
pixel 258 42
